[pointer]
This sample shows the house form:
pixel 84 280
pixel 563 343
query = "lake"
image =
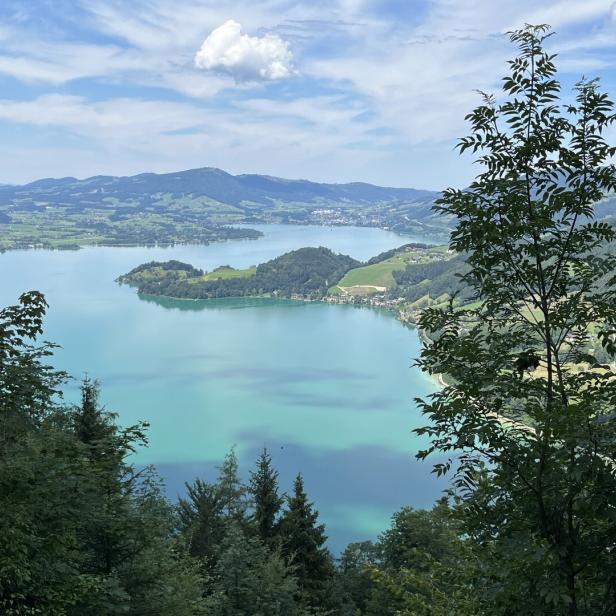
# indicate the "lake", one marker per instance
pixel 328 389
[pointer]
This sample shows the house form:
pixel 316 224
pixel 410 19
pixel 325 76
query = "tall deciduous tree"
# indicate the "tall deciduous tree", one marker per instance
pixel 540 490
pixel 27 383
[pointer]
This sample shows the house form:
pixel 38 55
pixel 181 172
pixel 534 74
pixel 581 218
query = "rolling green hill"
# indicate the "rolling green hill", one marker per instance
pixel 226 272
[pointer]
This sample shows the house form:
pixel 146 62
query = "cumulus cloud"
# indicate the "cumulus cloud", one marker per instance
pixel 246 58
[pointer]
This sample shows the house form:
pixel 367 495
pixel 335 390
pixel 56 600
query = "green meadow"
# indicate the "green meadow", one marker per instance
pixel 226 272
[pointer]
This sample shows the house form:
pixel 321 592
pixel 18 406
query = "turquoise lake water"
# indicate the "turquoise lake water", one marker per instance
pixel 327 389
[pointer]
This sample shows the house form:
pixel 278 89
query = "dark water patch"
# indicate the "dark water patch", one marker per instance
pixel 356 490
pixel 276 376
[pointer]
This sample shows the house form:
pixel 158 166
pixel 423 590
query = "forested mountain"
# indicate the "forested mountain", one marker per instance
pixel 199 205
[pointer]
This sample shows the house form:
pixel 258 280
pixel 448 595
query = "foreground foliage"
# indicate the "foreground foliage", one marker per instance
pixel 81 530
pixel 537 495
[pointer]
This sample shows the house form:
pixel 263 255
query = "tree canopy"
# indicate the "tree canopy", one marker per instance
pixel 537 491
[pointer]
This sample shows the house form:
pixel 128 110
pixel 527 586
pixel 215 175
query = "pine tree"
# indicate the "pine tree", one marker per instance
pixel 303 541
pixel 202 523
pixel 267 502
pixel 233 493
pixel 89 423
pixel 95 428
pixel 250 580
pixel 208 509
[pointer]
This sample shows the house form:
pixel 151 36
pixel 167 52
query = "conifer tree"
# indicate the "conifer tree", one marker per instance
pixel 208 509
pixel 233 493
pixel 266 500
pixel 303 541
pixel 250 580
pixel 89 422
pixel 202 523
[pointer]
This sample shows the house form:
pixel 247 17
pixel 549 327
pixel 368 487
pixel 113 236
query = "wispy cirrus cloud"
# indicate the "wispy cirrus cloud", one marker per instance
pixel 379 93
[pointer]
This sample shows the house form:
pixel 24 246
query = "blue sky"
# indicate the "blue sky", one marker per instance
pixel 336 90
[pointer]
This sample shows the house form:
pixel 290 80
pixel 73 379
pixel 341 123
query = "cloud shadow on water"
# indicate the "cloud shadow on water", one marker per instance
pixel 357 490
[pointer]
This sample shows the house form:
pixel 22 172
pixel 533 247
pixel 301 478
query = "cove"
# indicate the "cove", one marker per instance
pixel 328 389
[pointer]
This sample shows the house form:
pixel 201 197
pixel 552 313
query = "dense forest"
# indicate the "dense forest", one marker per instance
pixel 435 279
pixel 307 272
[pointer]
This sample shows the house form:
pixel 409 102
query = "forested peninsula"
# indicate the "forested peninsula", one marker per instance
pixel 406 278
pixel 307 271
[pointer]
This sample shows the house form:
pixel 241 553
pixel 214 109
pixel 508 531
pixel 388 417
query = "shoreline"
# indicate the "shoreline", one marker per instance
pixel 435 238
pixel 81 246
pixel 437 378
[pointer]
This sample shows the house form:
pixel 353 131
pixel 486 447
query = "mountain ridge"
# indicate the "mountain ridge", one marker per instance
pixel 221 186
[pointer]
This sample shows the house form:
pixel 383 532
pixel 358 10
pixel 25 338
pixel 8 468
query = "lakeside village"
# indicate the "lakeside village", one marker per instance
pixel 398 305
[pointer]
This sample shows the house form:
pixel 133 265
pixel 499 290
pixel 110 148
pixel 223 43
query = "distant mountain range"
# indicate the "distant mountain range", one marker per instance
pixel 198 205
pixel 202 205
pixel 211 183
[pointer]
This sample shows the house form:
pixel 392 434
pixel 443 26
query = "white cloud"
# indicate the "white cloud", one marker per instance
pixel 246 58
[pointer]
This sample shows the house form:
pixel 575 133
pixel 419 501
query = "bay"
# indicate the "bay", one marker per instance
pixel 327 389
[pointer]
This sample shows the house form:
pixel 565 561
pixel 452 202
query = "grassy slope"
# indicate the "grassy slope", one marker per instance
pixel 224 272
pixel 381 274
pixel 378 275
